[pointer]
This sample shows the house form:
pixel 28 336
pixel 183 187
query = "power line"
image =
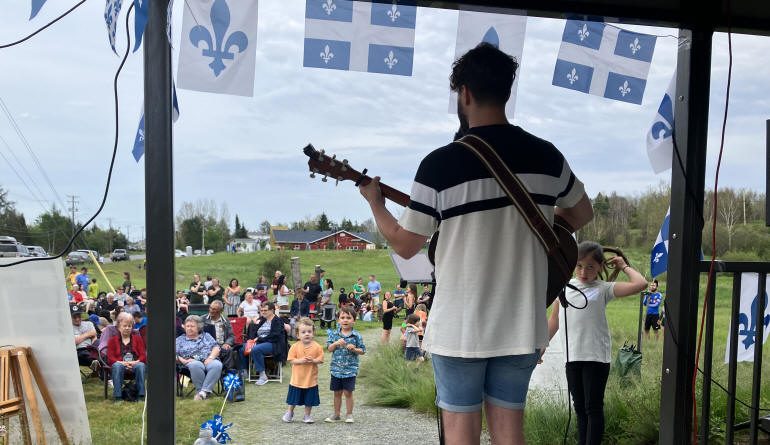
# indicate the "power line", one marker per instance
pixel 35 159
pixel 21 178
pixel 23 169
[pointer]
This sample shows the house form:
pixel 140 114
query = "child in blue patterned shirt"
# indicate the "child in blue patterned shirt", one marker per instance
pixel 345 344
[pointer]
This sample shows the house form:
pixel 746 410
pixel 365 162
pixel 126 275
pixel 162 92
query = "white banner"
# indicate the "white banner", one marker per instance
pixel 660 138
pixel 748 322
pixel 217 53
pixel 504 31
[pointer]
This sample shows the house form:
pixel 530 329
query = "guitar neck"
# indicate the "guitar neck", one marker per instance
pixel 390 193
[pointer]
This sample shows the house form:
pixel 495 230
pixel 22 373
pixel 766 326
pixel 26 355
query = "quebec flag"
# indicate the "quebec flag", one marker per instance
pixel 603 60
pixel 504 31
pixel 659 254
pixel 751 319
pixel 360 36
pixel 138 150
pixel 660 138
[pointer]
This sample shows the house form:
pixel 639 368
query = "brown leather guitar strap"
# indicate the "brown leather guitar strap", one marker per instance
pixel 514 189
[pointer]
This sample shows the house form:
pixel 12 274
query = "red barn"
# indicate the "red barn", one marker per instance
pixel 322 240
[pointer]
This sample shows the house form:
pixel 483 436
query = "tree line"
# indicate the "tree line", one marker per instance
pixel 741 233
pixel 623 221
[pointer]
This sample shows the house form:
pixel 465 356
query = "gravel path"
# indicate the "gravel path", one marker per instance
pixel 258 419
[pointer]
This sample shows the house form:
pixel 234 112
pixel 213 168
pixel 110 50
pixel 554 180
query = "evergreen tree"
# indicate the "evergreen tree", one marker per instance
pixel 323 222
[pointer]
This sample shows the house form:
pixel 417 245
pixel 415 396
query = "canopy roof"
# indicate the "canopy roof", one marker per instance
pixel 749 16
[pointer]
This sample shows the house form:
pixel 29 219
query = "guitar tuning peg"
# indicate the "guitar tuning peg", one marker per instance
pixel 344 165
pixel 336 182
pixel 323 179
pixel 331 161
pixel 339 179
pixel 321 155
pixel 312 175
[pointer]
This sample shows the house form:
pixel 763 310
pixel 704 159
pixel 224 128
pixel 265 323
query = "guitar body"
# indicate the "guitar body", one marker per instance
pixel 561 263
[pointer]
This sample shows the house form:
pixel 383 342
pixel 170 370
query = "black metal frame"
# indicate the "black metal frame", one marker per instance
pixel 736 269
pixel 699 19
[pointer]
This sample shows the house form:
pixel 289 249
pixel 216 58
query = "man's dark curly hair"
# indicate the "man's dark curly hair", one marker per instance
pixel 487 72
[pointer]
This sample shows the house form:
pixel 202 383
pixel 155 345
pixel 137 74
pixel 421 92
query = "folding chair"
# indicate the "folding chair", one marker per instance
pixel 329 314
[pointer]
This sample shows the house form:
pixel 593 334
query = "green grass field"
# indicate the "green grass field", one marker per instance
pixel 342 267
pixel 631 406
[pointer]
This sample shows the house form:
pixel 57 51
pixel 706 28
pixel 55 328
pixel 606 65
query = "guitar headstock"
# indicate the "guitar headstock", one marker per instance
pixel 320 163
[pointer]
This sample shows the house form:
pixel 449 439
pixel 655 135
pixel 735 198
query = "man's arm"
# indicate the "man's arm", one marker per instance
pixel 402 241
pixel 578 215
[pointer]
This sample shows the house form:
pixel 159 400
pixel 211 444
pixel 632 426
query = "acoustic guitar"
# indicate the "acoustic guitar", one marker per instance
pixel 561 263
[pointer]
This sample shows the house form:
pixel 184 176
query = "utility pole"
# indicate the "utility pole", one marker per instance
pixel 109 243
pixel 128 235
pixel 203 238
pixel 73 199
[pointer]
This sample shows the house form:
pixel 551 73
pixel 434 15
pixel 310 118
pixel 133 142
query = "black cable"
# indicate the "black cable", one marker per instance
pixel 8 45
pixel 114 147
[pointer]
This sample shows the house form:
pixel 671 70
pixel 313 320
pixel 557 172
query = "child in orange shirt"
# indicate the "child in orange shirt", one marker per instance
pixel 304 356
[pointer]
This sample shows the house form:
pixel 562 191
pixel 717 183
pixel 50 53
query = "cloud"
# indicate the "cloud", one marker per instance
pixel 246 152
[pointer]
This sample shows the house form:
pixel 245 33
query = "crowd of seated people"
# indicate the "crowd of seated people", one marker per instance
pixel 208 345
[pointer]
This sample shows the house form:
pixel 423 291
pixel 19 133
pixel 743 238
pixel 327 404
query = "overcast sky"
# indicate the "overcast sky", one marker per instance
pixel 246 152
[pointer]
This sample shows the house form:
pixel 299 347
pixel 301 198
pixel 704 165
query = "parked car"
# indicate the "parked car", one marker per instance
pixel 209 252
pixel 10 248
pixel 196 252
pixel 98 257
pixel 36 251
pixel 76 257
pixel 119 255
pixel 179 254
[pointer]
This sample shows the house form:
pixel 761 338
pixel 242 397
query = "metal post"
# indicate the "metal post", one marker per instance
pixel 708 350
pixel 687 182
pixel 732 366
pixel 759 329
pixel 159 208
pixel 767 172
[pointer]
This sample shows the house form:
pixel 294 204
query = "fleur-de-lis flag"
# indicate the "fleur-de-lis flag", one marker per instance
pixel 138 150
pixel 36 5
pixel 360 36
pixel 604 60
pixel 111 12
pixel 217 53
pixel 141 9
pixel 659 254
pixel 660 138
pixel 750 318
pixel 505 31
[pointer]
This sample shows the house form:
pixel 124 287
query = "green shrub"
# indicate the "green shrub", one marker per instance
pixel 278 260
pixel 393 381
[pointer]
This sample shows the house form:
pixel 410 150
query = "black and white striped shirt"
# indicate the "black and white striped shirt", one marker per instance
pixel 491 270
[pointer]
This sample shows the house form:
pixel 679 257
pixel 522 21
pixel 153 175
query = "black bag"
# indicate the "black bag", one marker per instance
pixel 129 392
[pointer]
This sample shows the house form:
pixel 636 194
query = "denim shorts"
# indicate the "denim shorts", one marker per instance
pixel 462 384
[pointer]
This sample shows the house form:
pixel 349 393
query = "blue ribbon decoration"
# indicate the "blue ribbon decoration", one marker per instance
pixel 218 429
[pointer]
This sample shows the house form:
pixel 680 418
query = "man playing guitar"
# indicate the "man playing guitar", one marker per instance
pixel 484 343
